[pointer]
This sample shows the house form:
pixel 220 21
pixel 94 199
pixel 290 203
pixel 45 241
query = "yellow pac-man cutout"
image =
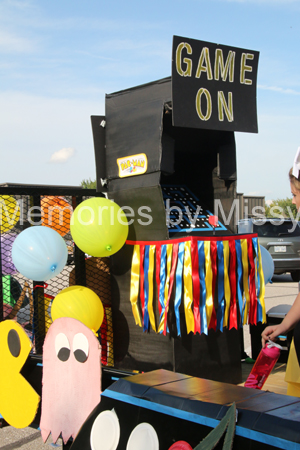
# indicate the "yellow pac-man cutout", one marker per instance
pixel 18 400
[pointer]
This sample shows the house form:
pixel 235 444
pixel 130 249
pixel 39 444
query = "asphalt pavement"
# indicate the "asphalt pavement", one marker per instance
pixel 282 290
pixel 25 439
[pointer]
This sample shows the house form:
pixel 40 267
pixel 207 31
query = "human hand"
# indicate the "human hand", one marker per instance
pixel 269 333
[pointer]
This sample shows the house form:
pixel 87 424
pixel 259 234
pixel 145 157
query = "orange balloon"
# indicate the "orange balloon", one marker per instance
pixel 56 214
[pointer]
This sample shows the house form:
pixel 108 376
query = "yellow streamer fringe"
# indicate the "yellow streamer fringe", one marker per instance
pixel 262 286
pixel 150 284
pixel 244 247
pixel 188 288
pixel 227 290
pixel 208 282
pixel 134 284
pixel 167 284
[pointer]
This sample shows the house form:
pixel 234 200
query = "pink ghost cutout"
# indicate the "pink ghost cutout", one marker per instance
pixel 71 378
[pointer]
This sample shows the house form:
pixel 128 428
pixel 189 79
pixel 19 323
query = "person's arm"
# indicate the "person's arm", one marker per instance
pixel 290 320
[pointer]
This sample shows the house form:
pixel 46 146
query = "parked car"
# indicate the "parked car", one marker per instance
pixel 281 238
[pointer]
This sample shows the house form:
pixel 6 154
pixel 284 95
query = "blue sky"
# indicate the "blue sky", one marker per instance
pixel 58 59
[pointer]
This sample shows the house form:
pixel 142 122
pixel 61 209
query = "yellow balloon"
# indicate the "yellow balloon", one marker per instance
pixel 99 227
pixel 80 303
pixel 9 212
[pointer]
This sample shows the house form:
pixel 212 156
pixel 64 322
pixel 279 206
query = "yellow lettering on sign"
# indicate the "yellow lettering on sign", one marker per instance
pixel 134 162
pixel 204 64
pixel 228 68
pixel 142 163
pixel 245 68
pixel 206 93
pixel 123 166
pixel 223 106
pixel 187 61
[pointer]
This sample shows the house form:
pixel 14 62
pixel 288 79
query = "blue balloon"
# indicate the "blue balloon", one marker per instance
pixel 39 253
pixel 267 264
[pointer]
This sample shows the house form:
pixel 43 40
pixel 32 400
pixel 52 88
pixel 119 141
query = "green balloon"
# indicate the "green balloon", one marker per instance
pixel 99 227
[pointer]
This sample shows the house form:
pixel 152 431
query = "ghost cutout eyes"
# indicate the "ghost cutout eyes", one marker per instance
pixel 62 347
pixel 80 347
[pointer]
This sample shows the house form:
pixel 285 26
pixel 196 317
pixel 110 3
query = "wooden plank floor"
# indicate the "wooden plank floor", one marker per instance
pixel 275 382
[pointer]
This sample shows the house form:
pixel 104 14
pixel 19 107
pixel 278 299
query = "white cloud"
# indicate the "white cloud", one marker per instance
pixel 278 89
pixel 62 155
pixel 11 43
pixel 33 127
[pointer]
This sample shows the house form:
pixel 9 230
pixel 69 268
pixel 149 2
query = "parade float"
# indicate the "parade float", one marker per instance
pixel 125 329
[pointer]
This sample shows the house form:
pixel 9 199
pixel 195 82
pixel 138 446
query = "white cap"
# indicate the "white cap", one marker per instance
pixel 296 165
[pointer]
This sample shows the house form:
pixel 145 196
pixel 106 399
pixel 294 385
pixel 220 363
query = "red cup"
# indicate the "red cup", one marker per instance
pixel 180 445
pixel 263 366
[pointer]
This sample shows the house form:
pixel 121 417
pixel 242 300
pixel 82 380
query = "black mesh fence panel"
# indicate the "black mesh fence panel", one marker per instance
pixel 29 301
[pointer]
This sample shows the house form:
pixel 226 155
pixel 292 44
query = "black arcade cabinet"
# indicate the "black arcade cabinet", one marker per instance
pixel 165 147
